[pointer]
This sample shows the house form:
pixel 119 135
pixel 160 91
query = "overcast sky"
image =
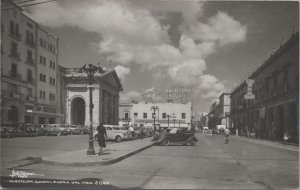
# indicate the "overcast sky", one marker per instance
pixel 205 46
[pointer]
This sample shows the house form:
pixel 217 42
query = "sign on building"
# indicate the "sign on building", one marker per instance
pixel 249 95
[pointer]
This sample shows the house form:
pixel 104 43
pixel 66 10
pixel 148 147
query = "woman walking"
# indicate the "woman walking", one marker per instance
pixel 101 137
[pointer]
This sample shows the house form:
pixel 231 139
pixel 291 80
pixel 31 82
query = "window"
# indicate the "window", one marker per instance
pixel 44 95
pixel 116 128
pixel 164 115
pixel 53 81
pixel 29 56
pixel 14 49
pixel 126 115
pixel 182 115
pixel 145 115
pixel 29 91
pixel 135 114
pixel 16 29
pixel 29 75
pixel 108 128
pixel 14 70
pixel 11 27
pixel 41 94
pixel 42 77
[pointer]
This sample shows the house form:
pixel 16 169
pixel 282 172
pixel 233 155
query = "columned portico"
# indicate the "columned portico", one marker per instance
pixel 105 95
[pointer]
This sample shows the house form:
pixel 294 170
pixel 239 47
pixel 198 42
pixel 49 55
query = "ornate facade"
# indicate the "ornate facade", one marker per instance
pixel 275 109
pixel 105 95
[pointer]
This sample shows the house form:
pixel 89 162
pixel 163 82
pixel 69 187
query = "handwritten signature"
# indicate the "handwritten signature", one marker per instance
pixel 22 174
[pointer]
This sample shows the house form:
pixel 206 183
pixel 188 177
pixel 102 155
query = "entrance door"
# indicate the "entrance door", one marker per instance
pixel 78 111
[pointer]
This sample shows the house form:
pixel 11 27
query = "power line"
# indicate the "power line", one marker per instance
pixel 29 5
pixel 19 2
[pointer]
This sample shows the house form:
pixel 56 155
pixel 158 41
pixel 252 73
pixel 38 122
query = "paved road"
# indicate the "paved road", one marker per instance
pixel 211 164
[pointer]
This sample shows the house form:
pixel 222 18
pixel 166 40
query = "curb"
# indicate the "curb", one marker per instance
pixel 99 163
pixel 266 140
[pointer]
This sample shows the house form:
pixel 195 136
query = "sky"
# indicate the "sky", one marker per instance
pixel 206 46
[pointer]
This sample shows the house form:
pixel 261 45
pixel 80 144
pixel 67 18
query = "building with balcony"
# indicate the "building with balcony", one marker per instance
pixel 274 111
pixel 219 111
pixel 166 114
pixel 125 112
pixel 29 60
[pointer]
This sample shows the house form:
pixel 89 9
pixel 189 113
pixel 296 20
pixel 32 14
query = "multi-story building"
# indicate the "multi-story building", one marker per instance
pixel 29 59
pixel 219 111
pixel 166 114
pixel 125 110
pixel 274 111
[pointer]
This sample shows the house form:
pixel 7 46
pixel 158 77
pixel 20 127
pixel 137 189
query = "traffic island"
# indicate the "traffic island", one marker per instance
pixel 113 153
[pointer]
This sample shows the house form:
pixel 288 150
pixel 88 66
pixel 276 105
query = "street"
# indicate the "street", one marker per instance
pixel 211 164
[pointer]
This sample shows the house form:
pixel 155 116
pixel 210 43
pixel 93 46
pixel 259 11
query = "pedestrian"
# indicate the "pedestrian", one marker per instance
pixel 227 133
pixel 102 136
pixel 131 130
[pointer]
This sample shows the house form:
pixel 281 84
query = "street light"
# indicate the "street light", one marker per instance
pixel 168 119
pixel 174 118
pixel 90 71
pixel 154 108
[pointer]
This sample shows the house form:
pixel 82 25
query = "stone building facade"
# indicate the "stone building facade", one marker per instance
pixel 29 68
pixel 219 111
pixel 106 88
pixel 167 115
pixel 275 109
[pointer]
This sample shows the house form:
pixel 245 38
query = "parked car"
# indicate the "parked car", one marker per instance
pixel 83 129
pixel 55 130
pixel 8 132
pixel 73 130
pixel 114 132
pixel 30 130
pixel 177 136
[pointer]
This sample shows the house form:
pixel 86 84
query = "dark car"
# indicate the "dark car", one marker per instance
pixel 177 136
pixel 8 132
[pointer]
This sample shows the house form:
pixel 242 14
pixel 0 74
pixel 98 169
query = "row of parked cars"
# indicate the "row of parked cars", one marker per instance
pixel 31 130
pixel 120 133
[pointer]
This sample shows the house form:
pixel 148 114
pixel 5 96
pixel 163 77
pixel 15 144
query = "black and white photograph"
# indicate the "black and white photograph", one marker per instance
pixel 149 94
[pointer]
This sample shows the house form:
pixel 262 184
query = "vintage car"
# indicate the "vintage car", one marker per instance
pixel 177 136
pixel 8 132
pixel 114 132
pixel 55 129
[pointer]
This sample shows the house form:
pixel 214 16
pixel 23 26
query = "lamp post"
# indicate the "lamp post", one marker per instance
pixel 174 118
pixel 154 108
pixel 168 119
pixel 90 71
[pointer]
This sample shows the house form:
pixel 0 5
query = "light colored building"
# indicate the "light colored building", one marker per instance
pixel 220 111
pixel 105 96
pixel 125 112
pixel 167 114
pixel 29 60
pixel 274 111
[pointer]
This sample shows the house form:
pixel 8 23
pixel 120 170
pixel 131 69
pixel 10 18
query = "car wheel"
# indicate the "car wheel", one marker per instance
pixel 193 143
pixel 165 142
pixel 118 139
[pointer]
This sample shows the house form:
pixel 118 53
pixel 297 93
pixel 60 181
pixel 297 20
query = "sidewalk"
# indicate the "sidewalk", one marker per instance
pixel 112 153
pixel 277 144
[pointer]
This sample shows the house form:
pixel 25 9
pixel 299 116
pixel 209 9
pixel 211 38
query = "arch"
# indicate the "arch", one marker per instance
pixel 77 110
pixel 13 114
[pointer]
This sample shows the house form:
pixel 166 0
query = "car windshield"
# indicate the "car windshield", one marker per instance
pixel 116 128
